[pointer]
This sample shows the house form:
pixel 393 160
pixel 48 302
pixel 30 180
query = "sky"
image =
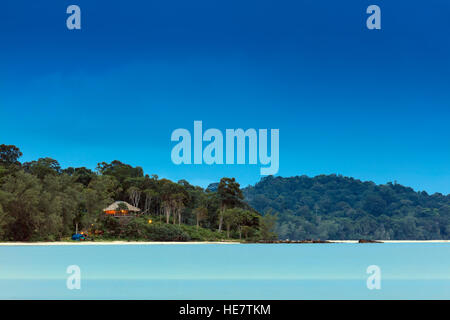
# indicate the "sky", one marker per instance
pixel 370 104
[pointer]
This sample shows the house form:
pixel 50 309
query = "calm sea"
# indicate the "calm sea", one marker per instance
pixel 218 271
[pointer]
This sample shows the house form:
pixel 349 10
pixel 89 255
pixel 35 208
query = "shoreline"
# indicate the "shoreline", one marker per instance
pixel 107 243
pixel 394 241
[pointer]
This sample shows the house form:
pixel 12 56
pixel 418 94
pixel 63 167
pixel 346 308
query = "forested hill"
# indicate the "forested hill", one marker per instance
pixel 337 207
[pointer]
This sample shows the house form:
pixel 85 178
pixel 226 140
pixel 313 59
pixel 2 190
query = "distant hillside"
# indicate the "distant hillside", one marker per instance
pixel 337 207
pixel 212 187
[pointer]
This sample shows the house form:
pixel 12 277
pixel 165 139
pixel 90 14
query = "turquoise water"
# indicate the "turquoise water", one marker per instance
pixel 217 271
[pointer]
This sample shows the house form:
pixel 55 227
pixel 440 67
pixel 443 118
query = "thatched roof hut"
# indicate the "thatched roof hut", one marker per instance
pixel 120 208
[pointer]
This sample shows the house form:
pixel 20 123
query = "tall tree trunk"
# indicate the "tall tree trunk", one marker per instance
pixel 167 210
pixel 222 209
pixel 148 202
pixel 135 197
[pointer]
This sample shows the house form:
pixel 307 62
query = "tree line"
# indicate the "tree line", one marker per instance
pixel 337 207
pixel 39 200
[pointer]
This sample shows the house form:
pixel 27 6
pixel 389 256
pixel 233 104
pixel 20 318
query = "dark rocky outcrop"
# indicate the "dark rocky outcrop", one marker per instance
pixel 369 241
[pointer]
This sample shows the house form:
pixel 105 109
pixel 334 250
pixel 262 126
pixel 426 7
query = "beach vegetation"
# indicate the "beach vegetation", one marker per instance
pixel 41 201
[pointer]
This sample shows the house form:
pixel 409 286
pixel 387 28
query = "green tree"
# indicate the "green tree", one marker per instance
pixel 20 199
pixel 201 213
pixel 267 224
pixel 9 154
pixel 42 167
pixel 230 195
pixel 231 219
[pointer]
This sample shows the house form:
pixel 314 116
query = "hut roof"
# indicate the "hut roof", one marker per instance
pixel 115 206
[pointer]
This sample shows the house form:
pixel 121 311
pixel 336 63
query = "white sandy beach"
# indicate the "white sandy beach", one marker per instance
pixel 108 243
pixel 104 243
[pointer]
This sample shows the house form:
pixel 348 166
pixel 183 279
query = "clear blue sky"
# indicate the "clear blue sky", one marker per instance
pixel 374 105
